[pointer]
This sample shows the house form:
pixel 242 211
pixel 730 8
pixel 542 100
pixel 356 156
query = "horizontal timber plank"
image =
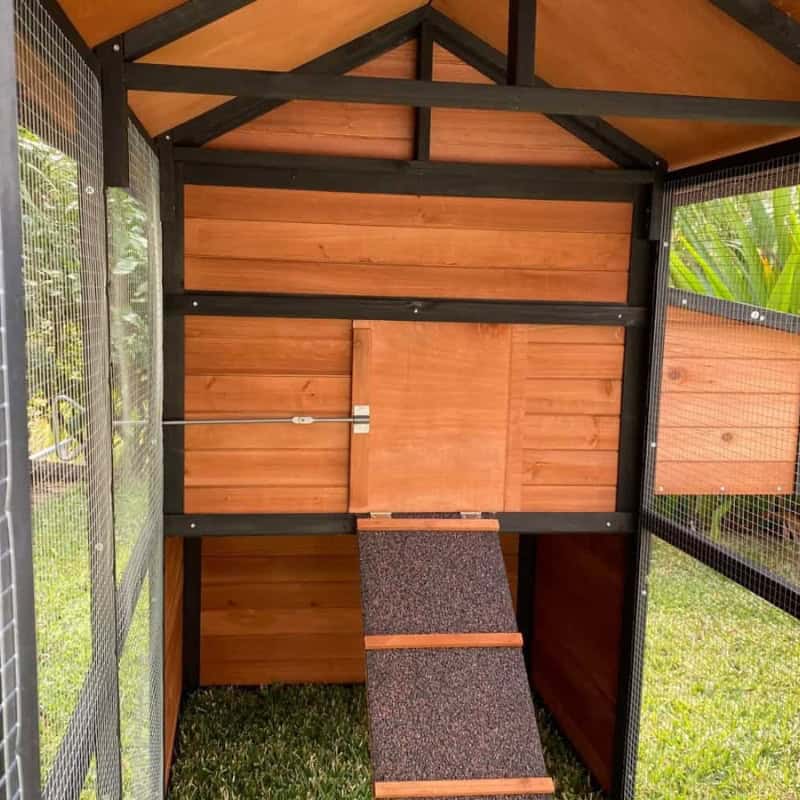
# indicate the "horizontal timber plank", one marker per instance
pixel 266 394
pixel 281 621
pixel 725 376
pixel 265 500
pixel 257 673
pixel 246 328
pixel 279 205
pixel 424 524
pixel 724 477
pixel 568 498
pixel 286 569
pixel 304 242
pixel 569 468
pixel 264 595
pixel 272 546
pixel 574 361
pixel 464 788
pixel 736 410
pixel 267 355
pixel 426 641
pixel 351 279
pixel 727 444
pixel 574 397
pixel 570 432
pixel 240 468
pixel 574 334
pixel 327 436
pixel 306 648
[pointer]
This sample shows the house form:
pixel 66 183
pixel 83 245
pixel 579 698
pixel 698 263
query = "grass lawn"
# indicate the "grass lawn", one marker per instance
pixel 721 717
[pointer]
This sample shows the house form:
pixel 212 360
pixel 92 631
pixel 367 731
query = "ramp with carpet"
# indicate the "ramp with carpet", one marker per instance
pixel 450 710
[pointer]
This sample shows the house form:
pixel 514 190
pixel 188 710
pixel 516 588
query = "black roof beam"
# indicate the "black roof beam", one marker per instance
pixel 272 85
pixel 521 42
pixel 767 22
pixel 176 23
pixel 239 111
pixel 422 120
pixel 597 133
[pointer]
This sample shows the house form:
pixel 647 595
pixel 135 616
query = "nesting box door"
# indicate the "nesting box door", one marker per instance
pixel 438 398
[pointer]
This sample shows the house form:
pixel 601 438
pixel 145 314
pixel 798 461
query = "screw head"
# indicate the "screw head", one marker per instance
pixel 608 524
pixel 754 315
pixel 195 304
pixel 89 190
pixel 192 525
pixel 115 48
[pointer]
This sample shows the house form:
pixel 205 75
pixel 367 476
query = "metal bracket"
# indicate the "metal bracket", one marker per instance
pixel 471 514
pixel 360 419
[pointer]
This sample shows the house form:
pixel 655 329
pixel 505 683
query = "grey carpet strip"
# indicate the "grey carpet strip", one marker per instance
pixel 445 714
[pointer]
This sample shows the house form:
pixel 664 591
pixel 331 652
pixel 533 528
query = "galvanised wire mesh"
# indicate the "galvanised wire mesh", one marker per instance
pixel 724 422
pixel 135 319
pixel 69 404
pixel 725 410
pixel 92 286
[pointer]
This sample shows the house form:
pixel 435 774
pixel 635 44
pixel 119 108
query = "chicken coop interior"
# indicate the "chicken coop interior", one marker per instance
pixel 358 346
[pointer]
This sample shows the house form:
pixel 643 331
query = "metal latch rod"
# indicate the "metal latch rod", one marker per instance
pixel 296 420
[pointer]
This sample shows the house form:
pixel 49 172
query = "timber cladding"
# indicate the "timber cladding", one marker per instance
pixel 729 407
pixel 306 242
pixel 287 609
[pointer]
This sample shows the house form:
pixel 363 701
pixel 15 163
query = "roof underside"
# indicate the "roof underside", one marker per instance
pixel 669 46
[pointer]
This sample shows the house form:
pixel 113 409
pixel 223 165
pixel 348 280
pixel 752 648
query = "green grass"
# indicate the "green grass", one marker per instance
pixel 721 713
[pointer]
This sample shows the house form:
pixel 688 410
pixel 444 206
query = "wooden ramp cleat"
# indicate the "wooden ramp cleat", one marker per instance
pixel 450 708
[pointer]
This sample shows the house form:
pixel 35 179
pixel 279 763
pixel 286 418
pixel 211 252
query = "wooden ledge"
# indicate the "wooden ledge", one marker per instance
pixel 425 641
pixel 471 788
pixel 425 525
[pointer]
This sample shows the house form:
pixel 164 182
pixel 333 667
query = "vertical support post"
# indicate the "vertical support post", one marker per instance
pixel 521 42
pixel 630 486
pixel 422 132
pixel 19 727
pixel 114 97
pixel 174 371
pixel 526 591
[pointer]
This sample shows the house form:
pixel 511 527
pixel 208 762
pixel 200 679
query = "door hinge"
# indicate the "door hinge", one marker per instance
pixel 360 419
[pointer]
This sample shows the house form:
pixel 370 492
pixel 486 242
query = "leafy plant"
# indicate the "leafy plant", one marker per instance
pixel 744 248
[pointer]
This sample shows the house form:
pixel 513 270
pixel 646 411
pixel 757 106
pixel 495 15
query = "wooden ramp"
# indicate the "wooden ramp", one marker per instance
pixel 450 709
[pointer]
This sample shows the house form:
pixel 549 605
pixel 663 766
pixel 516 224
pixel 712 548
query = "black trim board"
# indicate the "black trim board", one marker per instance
pixel 175 23
pixel 114 97
pixel 410 309
pixel 726 562
pixel 738 312
pixel 593 131
pixel 275 86
pixel 194 526
pixel 630 486
pixel 240 110
pixel 521 42
pixel 766 21
pixel 422 116
pixel 207 167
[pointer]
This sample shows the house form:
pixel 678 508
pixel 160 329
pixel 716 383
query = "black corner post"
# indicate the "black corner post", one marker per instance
pixel 171 174
pixel 631 482
pixel 526 593
pixel 115 113
pixel 19 723
pixel 521 42
pixel 422 133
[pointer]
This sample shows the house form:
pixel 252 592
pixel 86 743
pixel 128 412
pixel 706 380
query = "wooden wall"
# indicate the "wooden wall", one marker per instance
pixel 263 240
pixel 578 609
pixel 729 407
pixel 173 644
pixel 286 609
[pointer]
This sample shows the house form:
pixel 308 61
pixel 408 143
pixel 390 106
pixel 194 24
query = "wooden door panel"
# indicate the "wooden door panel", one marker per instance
pixel 438 394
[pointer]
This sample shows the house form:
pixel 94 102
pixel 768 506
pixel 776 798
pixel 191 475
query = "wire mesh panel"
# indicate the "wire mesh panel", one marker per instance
pixel 721 485
pixel 92 284
pixel 135 319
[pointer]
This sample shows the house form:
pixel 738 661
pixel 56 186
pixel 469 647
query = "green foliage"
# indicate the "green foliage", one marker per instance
pixel 744 248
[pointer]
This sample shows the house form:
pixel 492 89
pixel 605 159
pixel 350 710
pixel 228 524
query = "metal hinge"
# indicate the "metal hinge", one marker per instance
pixel 380 514
pixel 360 419
pixel 471 514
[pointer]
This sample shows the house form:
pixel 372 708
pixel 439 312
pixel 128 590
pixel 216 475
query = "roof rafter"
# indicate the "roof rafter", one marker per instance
pixel 232 114
pixel 597 133
pixel 272 85
pixel 175 24
pixel 521 42
pixel 767 22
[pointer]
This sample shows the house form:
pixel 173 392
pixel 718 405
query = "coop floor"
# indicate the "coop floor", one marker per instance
pixel 721 713
pixel 302 743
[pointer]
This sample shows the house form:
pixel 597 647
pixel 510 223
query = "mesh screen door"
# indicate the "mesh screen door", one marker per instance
pixel 721 704
pixel 92 303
